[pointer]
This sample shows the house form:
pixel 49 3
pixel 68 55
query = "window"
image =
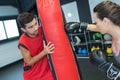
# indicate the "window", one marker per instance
pixel 11 28
pixel 2 31
pixel 8 29
pixel 71 12
pixel 93 3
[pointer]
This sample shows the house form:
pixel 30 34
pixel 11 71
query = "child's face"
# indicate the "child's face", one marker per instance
pixel 31 28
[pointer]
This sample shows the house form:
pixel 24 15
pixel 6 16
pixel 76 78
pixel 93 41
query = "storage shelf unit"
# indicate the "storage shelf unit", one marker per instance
pixel 86 41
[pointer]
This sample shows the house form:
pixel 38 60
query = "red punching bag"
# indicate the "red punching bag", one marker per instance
pixel 63 59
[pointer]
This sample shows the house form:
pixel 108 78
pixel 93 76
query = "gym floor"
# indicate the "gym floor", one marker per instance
pixel 88 71
pixel 12 71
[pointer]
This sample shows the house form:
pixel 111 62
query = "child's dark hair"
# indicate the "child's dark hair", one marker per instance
pixel 25 18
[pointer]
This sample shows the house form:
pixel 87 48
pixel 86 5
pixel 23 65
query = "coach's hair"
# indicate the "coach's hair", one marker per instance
pixel 25 18
pixel 110 10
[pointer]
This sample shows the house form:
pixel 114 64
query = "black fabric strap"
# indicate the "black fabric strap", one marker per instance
pixel 22 46
pixel 27 68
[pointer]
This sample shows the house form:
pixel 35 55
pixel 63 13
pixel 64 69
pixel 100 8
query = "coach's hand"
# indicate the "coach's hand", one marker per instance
pixel 98 58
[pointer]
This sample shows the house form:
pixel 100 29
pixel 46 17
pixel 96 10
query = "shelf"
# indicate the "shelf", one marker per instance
pixel 85 41
pixel 95 41
pixel 107 42
pixel 77 34
pixel 109 55
pixel 82 55
pixel 81 44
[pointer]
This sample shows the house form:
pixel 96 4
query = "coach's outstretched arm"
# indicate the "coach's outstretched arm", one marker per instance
pixel 70 27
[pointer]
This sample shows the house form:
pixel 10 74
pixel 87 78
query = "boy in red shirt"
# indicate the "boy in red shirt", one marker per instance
pixel 33 49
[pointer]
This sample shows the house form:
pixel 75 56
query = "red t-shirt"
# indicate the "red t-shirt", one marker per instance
pixel 41 69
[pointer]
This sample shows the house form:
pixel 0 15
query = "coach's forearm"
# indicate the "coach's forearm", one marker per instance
pixel 92 27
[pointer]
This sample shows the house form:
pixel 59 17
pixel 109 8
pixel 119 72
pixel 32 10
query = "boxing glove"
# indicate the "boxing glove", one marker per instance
pixel 74 27
pixel 83 25
pixel 98 58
